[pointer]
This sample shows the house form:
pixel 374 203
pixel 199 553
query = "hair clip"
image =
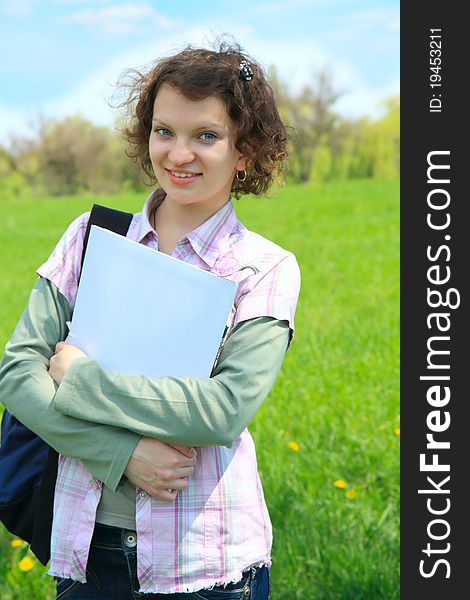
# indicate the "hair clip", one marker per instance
pixel 245 70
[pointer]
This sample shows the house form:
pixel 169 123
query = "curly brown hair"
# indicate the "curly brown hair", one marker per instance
pixel 199 73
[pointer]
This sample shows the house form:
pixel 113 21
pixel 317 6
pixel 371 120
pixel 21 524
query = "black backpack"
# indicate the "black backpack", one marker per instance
pixel 28 466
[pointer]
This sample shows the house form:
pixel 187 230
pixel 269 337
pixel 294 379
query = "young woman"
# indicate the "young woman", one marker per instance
pixel 158 493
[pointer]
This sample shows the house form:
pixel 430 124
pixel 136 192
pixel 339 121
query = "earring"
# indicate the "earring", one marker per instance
pixel 244 175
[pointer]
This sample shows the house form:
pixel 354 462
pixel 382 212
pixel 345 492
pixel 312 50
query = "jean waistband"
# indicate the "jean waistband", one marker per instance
pixel 116 536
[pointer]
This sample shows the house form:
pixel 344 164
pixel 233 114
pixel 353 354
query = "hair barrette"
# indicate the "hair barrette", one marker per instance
pixel 246 72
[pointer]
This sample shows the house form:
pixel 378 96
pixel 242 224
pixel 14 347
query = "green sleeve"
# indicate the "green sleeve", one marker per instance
pixel 189 411
pixel 27 390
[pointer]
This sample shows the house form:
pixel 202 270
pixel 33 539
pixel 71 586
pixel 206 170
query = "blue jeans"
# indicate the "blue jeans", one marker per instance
pixel 112 575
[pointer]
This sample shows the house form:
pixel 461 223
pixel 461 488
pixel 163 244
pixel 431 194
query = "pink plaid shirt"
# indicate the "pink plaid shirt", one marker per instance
pixel 219 526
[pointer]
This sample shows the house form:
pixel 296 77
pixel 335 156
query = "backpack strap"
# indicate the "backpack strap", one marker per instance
pixel 108 218
pixel 119 222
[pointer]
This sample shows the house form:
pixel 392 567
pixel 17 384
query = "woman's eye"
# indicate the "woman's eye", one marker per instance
pixel 207 136
pixel 163 132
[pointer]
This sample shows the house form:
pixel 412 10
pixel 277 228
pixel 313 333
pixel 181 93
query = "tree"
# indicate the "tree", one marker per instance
pixel 75 155
pixel 72 156
pixel 312 117
pixel 12 183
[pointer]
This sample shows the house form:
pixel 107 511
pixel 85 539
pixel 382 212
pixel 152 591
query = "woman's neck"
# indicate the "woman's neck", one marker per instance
pixel 182 218
pixel 173 221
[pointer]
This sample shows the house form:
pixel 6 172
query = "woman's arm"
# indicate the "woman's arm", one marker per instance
pixel 186 411
pixel 191 411
pixel 27 391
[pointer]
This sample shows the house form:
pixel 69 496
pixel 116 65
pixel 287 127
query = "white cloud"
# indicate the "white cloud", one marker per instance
pixel 17 8
pixel 296 61
pixel 393 25
pixel 281 6
pixel 377 17
pixel 67 2
pixel 14 123
pixel 123 18
pixel 366 100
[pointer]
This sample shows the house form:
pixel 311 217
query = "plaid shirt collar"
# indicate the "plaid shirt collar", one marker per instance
pixel 207 239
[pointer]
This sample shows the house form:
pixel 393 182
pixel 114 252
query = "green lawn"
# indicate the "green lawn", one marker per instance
pixel 337 396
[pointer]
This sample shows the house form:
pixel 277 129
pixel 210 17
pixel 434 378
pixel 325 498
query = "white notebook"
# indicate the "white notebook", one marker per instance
pixel 140 311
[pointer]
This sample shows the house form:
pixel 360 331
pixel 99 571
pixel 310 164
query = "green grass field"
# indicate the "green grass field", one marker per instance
pixel 333 414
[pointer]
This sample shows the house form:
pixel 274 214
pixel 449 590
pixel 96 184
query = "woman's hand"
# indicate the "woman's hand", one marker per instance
pixel 159 469
pixel 61 360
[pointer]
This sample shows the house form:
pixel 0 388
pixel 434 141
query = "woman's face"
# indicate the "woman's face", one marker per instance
pixel 192 149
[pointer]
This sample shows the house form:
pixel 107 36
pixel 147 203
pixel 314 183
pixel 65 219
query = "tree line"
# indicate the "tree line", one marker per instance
pixel 73 155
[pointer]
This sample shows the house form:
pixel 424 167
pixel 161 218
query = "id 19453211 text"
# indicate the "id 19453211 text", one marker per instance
pixel 435 66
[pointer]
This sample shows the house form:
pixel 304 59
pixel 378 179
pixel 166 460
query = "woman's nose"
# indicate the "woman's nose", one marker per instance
pixel 180 153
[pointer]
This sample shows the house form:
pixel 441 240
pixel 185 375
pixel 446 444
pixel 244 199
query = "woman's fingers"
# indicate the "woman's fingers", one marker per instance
pixel 157 467
pixel 168 490
pixel 174 487
pixel 61 360
pixel 185 472
pixel 169 496
pixel 178 484
pixel 189 452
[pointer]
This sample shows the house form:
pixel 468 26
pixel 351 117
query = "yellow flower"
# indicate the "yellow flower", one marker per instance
pixel 351 494
pixel 340 483
pixel 16 543
pixel 397 431
pixel 26 564
pixel 294 446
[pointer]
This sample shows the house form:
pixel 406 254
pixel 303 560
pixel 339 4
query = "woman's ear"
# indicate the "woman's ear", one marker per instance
pixel 241 163
pixel 242 159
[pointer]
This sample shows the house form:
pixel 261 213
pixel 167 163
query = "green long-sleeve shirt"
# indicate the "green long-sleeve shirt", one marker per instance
pixel 98 416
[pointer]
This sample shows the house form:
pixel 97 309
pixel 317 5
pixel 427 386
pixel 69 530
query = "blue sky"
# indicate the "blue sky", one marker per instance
pixel 62 57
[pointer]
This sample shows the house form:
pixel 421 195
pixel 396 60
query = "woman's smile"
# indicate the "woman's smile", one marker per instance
pixel 180 177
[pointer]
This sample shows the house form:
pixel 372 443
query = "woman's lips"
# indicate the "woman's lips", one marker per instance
pixel 186 180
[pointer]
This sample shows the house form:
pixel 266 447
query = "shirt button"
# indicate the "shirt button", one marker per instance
pixel 143 495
